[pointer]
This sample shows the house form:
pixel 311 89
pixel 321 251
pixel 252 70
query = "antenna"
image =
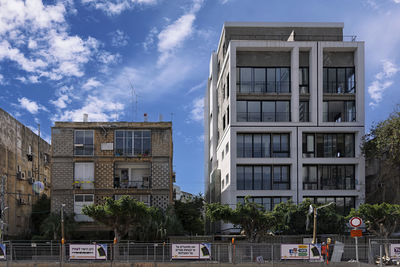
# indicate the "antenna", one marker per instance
pixel 134 106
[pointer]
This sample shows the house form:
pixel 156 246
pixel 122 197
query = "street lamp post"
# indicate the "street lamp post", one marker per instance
pixel 62 232
pixel 315 210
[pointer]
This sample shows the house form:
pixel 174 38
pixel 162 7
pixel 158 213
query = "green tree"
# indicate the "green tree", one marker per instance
pixel 381 219
pixel 190 214
pixel 251 217
pixel 292 219
pixel 40 211
pixel 383 140
pixel 120 215
pixel 50 228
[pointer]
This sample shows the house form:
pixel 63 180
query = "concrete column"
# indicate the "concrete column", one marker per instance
pixel 313 84
pixel 294 74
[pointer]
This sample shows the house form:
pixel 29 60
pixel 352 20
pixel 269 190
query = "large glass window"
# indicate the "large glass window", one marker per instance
pixel 343 204
pixel 268 203
pixel 339 111
pixel 303 80
pixel 81 201
pixel 339 80
pixel 264 177
pixel 328 177
pixel 304 111
pixel 132 143
pixel 84 175
pixel 328 145
pixel 263 111
pixel 263 145
pixel 261 80
pixel 83 143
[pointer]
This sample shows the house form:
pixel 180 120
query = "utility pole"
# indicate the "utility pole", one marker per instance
pixel 62 232
pixel 3 208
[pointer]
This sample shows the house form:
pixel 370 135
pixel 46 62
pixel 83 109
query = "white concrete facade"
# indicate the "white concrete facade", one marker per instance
pixel 221 144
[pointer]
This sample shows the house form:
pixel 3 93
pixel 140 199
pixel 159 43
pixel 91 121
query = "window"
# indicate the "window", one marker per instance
pixel 227 115
pixel 83 143
pixel 339 80
pixel 132 143
pixel 304 111
pixel 227 179
pixel 268 203
pixel 343 204
pixel 84 175
pixel 329 177
pixel 259 177
pixel 222 155
pixel 227 148
pixel 329 145
pixel 223 123
pixel 263 80
pixel 265 111
pixel 227 85
pixel 132 175
pixel 263 145
pixel 339 111
pixel 303 80
pixel 79 202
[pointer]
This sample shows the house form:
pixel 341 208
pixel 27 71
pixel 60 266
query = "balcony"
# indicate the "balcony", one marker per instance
pixel 263 116
pixel 339 116
pixel 338 183
pixel 145 183
pixel 262 87
pixel 339 87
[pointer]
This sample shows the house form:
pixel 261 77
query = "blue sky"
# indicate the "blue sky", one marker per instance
pixel 60 59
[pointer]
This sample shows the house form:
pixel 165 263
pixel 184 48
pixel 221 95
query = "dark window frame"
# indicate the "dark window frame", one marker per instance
pixel 264 87
pixel 333 181
pixel 133 138
pixel 271 201
pixel 271 154
pixel 329 84
pixel 344 211
pixel 331 145
pixel 274 185
pixel 343 116
pixel 85 147
pixel 261 114
pixel 304 85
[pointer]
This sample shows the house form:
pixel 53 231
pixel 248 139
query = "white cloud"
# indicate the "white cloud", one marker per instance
pixel 119 38
pixel 197 112
pixel 35 38
pixel 115 7
pixel 201 85
pixel 61 102
pixel 91 83
pixel 1 79
pixel 172 36
pixel 149 42
pixel 396 1
pixel 97 109
pixel 382 82
pixel 30 105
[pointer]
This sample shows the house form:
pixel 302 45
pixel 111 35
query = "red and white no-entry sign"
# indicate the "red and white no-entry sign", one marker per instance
pixel 355 222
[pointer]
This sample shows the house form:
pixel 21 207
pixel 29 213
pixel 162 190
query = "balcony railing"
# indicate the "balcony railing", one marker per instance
pixel 263 116
pixel 341 183
pixel 339 116
pixel 145 184
pixel 254 87
pixel 339 87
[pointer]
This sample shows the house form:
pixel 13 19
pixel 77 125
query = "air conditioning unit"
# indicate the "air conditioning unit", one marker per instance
pixel 31 180
pixel 21 175
pixel 77 185
pixel 21 201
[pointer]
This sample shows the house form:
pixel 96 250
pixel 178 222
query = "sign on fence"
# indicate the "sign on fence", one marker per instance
pixel 295 252
pixel 88 252
pixel 191 251
pixel 395 251
pixel 3 255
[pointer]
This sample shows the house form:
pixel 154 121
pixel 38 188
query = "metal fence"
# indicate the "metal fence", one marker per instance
pixel 162 252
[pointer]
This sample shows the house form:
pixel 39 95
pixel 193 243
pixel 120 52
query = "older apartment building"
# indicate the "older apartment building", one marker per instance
pixel 94 160
pixel 24 161
pixel 284 116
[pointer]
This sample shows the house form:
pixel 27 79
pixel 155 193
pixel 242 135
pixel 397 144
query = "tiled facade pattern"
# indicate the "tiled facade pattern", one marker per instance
pixel 105 163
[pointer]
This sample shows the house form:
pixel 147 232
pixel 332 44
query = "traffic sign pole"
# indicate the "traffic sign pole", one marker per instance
pixel 356 222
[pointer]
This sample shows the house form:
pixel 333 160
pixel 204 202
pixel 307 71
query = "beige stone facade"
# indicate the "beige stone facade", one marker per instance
pixel 140 167
pixel 24 159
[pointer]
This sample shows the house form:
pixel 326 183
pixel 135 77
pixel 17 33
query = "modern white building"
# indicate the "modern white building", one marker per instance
pixel 284 116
